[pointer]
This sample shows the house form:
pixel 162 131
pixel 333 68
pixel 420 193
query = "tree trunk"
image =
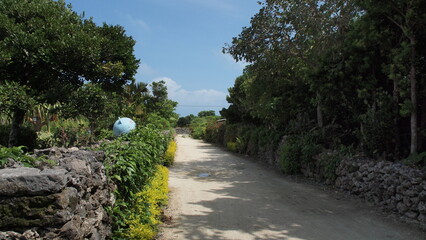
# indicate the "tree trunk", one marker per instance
pixel 413 84
pixel 422 140
pixel 17 120
pixel 320 119
pixel 396 120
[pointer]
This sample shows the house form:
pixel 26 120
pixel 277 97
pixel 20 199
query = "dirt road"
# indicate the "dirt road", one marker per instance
pixel 218 195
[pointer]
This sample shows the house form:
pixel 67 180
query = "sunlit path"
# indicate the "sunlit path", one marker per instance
pixel 218 195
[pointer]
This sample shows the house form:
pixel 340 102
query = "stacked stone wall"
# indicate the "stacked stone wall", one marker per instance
pixel 66 201
pixel 392 186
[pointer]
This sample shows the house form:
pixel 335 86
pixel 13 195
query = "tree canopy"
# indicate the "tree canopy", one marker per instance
pixel 352 69
pixel 49 51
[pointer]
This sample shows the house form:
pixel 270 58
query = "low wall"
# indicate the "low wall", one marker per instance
pixel 66 201
pixel 392 186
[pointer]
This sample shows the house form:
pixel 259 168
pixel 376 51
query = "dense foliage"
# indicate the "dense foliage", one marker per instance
pixel 169 156
pixel 144 221
pixel 353 71
pixel 64 81
pixel 132 162
pixel 47 51
pixel 17 154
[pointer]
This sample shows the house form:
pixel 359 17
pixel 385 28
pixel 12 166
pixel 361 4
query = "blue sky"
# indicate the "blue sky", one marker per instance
pixel 180 41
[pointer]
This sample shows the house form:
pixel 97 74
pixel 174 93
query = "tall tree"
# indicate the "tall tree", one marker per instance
pixel 410 18
pixel 295 29
pixel 51 50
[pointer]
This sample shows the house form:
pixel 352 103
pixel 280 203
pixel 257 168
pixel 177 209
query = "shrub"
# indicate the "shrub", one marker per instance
pixel 231 133
pixel 243 137
pixel 105 134
pixel 18 154
pixel 45 139
pixel 131 162
pixel 290 157
pixel 72 132
pixel 252 144
pixel 147 210
pixel 214 131
pixel 169 156
pixel 298 149
pixel 232 146
pixel 329 161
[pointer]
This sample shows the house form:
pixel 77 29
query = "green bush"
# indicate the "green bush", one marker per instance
pixel 232 146
pixel 298 149
pixel 72 132
pixel 18 154
pixel 252 144
pixel 243 137
pixel 231 133
pixel 290 155
pixel 330 161
pixel 199 125
pixel 157 121
pixel 45 139
pixel 214 131
pixel 105 134
pixel 131 162
pixel 145 218
pixel 169 156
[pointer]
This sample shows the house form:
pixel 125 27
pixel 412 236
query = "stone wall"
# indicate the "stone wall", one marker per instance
pixel 393 186
pixel 66 201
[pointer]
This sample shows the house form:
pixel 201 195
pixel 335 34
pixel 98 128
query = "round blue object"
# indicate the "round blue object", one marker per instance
pixel 123 126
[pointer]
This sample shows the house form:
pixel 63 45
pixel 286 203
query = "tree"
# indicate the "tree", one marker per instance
pixel 14 99
pixel 185 121
pixel 408 16
pixel 206 113
pixel 159 103
pixel 134 97
pixel 92 102
pixel 294 29
pixel 50 50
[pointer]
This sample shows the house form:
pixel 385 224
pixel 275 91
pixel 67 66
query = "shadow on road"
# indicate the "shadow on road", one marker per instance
pixel 238 199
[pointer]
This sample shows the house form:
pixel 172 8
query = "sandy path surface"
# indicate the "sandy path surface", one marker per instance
pixel 218 195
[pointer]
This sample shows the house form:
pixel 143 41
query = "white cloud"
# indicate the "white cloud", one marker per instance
pixel 197 100
pixel 141 24
pixel 146 70
pixel 136 21
pixel 216 4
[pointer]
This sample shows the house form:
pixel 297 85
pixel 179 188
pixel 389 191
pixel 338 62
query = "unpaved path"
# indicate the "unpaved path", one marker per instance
pixel 218 195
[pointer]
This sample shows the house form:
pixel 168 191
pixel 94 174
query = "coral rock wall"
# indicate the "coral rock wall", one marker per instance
pixel 66 201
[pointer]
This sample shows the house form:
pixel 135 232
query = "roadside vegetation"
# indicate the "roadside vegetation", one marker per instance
pixel 135 164
pixel 327 80
pixel 64 81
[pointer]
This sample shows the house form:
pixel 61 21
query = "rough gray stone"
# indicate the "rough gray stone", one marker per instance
pixel 67 202
pixel 422 196
pixel 422 207
pixel 31 181
pixel 412 215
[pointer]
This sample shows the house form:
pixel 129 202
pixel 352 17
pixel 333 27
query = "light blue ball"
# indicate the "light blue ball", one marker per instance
pixel 123 126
